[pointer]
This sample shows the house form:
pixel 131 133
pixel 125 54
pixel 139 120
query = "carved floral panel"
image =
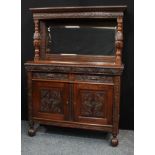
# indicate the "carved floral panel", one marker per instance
pixel 51 100
pixel 92 103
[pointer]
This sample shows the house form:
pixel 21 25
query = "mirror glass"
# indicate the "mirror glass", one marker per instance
pixel 80 39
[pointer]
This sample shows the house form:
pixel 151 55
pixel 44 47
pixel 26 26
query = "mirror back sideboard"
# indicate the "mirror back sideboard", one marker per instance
pixel 74 79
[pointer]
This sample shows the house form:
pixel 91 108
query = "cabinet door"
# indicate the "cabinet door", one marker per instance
pixel 93 103
pixel 50 100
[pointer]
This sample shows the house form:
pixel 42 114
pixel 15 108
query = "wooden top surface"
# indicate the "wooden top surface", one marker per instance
pixel 74 64
pixel 115 8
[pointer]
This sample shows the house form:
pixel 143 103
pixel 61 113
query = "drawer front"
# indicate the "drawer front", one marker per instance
pixel 50 76
pixel 93 78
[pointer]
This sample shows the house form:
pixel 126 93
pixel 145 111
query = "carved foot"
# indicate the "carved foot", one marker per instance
pixel 31 132
pixel 114 141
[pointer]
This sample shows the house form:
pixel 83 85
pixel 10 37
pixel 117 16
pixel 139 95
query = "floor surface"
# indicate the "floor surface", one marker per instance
pixel 65 141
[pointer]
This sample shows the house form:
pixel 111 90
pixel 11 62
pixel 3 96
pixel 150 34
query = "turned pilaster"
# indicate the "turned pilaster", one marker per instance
pixel 31 131
pixel 29 95
pixel 36 41
pixel 116 105
pixel 119 40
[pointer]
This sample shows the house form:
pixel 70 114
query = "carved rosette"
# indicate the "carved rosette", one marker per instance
pixel 92 104
pixel 51 101
pixel 119 40
pixel 36 41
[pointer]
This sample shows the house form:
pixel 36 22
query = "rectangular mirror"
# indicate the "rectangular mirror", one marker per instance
pixel 81 38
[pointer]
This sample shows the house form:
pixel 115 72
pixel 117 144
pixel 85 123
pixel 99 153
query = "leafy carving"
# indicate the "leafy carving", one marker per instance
pixel 51 100
pixel 92 103
pixel 73 69
pixel 60 76
pixel 106 79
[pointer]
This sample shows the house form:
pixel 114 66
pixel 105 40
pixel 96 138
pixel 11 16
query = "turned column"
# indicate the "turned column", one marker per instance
pixel 119 40
pixel 36 41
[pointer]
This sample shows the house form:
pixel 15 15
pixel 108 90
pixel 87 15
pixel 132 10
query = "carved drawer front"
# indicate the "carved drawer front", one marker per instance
pixel 50 100
pixel 93 103
pixel 51 76
pixel 93 78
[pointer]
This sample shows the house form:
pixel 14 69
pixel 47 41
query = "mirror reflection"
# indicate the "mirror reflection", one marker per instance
pixel 80 40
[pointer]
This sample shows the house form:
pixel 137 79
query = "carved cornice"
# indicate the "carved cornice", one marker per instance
pixel 77 15
pixel 115 8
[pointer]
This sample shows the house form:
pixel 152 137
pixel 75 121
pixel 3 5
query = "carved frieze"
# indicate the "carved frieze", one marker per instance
pixel 54 76
pixel 94 78
pixel 73 69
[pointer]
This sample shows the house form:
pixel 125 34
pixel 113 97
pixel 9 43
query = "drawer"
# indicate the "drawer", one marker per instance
pixel 93 78
pixel 50 76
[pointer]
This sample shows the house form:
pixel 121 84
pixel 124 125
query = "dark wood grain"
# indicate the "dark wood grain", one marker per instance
pixel 55 100
pixel 93 103
pixel 75 91
pixel 60 13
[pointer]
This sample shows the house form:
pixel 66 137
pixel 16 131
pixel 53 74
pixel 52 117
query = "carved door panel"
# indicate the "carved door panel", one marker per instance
pixel 93 103
pixel 50 100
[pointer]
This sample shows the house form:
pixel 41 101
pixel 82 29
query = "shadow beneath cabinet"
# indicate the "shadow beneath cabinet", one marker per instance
pixel 74 132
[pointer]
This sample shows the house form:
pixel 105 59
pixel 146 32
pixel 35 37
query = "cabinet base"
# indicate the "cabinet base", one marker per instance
pixel 32 130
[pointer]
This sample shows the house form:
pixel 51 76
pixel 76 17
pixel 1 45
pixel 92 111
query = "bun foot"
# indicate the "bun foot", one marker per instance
pixel 114 142
pixel 31 132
